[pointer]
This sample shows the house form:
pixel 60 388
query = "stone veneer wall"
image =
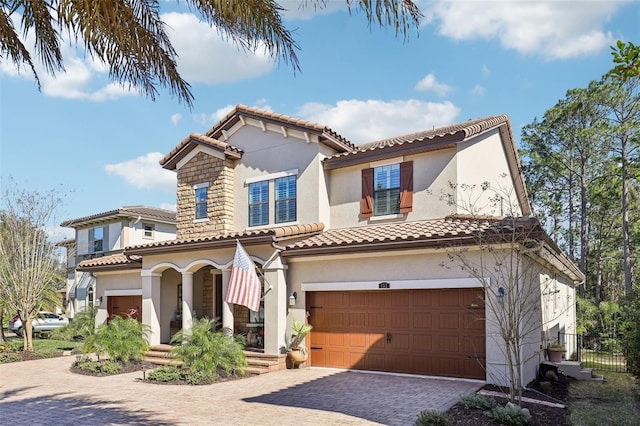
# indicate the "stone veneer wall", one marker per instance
pixel 219 174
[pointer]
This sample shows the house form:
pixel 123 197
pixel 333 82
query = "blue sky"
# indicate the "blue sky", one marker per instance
pixel 99 143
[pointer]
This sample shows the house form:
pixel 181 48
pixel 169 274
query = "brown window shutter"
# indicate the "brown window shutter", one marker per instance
pixel 366 204
pixel 406 187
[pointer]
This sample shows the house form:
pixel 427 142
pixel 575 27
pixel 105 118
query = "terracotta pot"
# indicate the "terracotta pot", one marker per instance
pixel 297 357
pixel 555 354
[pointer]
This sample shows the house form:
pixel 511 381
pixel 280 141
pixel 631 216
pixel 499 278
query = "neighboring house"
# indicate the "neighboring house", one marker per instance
pixel 354 239
pixel 105 235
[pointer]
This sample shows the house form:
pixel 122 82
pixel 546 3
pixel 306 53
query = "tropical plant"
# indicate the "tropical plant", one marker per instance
pixel 82 326
pixel 130 38
pixel 123 340
pixel 206 349
pixel 300 331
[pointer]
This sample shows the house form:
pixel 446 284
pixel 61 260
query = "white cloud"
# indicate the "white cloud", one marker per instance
pixel 144 172
pixel 366 121
pixel 175 119
pixel 168 206
pixel 478 90
pixel 485 70
pixel 205 57
pixel 549 28
pixel 430 84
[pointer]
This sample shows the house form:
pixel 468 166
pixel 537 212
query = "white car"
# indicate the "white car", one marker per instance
pixel 44 321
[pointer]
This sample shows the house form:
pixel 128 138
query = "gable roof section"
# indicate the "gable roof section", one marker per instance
pixel 437 139
pixel 326 135
pixel 108 263
pixel 149 213
pixel 260 236
pixel 190 143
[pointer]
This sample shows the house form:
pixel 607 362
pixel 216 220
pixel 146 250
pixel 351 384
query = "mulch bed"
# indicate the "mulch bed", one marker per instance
pixel 542 415
pixel 130 367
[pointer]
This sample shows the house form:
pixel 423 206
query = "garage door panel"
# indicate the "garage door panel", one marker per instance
pixel 448 320
pixel 422 342
pixel 422 320
pixel 435 332
pixel 400 341
pixel 400 319
pixel 377 320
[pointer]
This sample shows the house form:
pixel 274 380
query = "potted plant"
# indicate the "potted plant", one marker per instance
pixel 297 352
pixel 555 352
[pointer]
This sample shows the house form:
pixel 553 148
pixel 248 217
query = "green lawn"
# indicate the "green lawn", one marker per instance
pixel 42 348
pixel 614 402
pixel 603 361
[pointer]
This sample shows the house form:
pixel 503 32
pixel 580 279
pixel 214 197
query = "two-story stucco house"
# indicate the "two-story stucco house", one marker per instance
pixel 352 239
pixel 106 235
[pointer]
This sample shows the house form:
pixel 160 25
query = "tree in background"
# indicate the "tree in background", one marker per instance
pixel 29 269
pixel 129 37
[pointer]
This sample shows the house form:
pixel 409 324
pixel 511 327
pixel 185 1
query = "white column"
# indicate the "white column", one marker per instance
pixel 151 305
pixel 275 307
pixel 187 301
pixel 227 310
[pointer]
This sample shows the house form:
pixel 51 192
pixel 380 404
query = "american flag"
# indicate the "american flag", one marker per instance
pixel 245 287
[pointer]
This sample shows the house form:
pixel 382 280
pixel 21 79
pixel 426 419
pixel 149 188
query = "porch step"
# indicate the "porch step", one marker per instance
pixel 160 355
pixel 261 363
pixel 574 369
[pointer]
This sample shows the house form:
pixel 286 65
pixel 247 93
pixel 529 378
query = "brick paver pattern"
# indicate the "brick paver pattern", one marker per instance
pixel 45 392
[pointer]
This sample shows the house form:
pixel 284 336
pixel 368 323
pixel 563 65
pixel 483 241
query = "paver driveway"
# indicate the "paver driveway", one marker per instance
pixel 44 392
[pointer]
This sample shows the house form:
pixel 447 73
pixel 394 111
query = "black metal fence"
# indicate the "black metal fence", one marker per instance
pixel 600 352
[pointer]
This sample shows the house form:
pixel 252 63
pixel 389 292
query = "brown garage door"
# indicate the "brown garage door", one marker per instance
pixel 433 332
pixel 125 306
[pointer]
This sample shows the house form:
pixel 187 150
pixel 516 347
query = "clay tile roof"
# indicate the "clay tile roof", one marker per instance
pixel 464 130
pixel 242 110
pixel 224 240
pixel 189 143
pixel 149 213
pixel 111 261
pixel 437 229
pixel 66 243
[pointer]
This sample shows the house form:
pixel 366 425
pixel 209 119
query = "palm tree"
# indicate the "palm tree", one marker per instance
pixel 130 38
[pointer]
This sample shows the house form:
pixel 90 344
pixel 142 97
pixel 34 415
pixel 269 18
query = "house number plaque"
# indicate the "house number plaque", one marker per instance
pixel 384 284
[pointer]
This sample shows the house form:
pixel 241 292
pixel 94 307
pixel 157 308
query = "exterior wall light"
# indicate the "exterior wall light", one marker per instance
pixel 501 293
pixel 98 301
pixel 292 298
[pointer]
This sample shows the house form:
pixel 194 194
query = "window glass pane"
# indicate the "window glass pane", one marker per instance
pixel 386 184
pixel 259 203
pixel 201 203
pixel 285 195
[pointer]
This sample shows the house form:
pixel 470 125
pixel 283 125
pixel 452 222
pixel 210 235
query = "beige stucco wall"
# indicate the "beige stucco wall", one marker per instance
pixel 270 152
pixel 432 173
pixel 479 160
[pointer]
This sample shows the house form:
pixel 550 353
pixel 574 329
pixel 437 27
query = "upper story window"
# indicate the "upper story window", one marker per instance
pixel 285 191
pixel 279 188
pixel 148 230
pixel 259 203
pixel 387 190
pixel 98 239
pixel 201 190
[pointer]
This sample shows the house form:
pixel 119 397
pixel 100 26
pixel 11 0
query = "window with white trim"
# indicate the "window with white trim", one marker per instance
pixel 386 190
pixel 149 229
pixel 259 203
pixel 285 199
pixel 279 188
pixel 201 207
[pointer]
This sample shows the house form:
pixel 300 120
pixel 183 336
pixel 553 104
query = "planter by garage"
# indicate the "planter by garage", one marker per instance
pixel 297 357
pixel 555 354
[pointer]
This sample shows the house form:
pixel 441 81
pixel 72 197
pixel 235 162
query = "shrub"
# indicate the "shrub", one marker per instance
pixel 432 418
pixel 166 374
pixel 82 326
pixel 206 350
pixel 200 378
pixel 477 401
pixel 510 415
pixel 105 367
pixel 122 340
pixel 551 376
pixel 7 357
